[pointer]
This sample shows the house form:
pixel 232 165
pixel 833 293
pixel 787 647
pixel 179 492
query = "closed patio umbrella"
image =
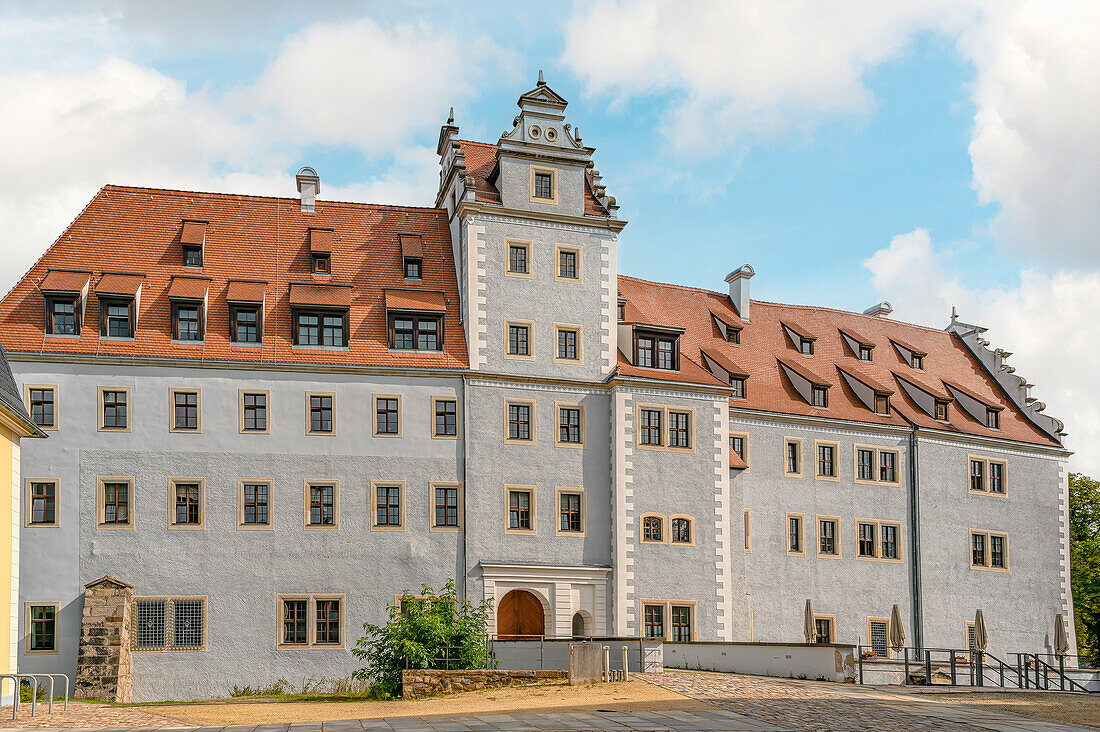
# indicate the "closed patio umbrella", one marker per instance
pixel 1061 640
pixel 809 627
pixel 981 636
pixel 897 630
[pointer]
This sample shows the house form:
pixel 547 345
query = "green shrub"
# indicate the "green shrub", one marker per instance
pixel 432 631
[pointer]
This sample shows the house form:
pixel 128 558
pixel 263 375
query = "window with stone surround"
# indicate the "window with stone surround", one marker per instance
pixel 169 623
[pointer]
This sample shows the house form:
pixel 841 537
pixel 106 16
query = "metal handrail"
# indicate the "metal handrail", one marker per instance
pixel 982 666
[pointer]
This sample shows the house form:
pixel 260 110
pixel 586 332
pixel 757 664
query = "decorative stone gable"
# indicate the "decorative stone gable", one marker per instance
pixel 103 669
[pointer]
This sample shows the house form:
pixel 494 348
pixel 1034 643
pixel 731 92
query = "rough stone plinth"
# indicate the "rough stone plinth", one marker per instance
pixel 103 668
pixel 419 683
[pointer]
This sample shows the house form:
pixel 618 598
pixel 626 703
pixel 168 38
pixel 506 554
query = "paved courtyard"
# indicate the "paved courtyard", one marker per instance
pixel 741 704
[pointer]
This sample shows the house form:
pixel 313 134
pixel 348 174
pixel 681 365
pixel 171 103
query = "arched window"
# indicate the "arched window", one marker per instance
pixel 680 530
pixel 652 528
pixel 578 625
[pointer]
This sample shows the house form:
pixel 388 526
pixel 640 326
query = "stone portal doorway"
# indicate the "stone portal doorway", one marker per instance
pixel 520 614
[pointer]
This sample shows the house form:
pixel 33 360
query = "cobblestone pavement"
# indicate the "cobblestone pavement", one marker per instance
pixel 83 714
pixel 829 707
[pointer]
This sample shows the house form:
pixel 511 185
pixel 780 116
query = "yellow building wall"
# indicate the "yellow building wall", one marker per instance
pixel 10 495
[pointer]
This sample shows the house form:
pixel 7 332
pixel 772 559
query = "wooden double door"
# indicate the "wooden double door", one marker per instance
pixel 520 614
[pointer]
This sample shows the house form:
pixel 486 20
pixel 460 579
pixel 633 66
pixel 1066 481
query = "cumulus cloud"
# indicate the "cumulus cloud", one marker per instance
pixel 1047 321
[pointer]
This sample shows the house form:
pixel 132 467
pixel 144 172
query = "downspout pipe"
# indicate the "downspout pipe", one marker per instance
pixel 916 601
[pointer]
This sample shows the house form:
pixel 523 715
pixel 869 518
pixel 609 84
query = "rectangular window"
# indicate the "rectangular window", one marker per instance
pixel 996 551
pixel 567 264
pixel 681 623
pixel 544 186
pixel 320 413
pixel 738 385
pixel 918 364
pixel 882 404
pixel 43 502
pixel 192 256
pixel 518 340
pixel 185 322
pixel 679 434
pixel 993 419
pixel 387 419
pixel 320 328
pixel 941 411
pixel 996 478
pixel 415 333
pixel 737 443
pixel 794 457
pixel 733 335
pixel 827 537
pixel 888 467
pixel 42 401
pixel 519 510
pixel 644 355
pixel 650 420
pixel 826 461
pixel 150 624
pixel 865 464
pixel 794 535
pixel 254 504
pixel 294 622
pixel 569 425
pixel 653 529
pixel 188 503
pixel 185 411
pixel 977 475
pixel 189 624
pixel 116 315
pixel 320 263
pixel 115 508
pixel 446 506
pixel 864 353
pixel 988 550
pixel 889 533
pixel 823 630
pixel 328 623
pixel 412 268
pixel 517 258
pixel 43 628
pixel 115 416
pixel 866 540
pixel 977 550
pixel 322 505
pixel 567 344
pixel 680 530
pixel 446 418
pixel 569 512
pixel 665 354
pixel 254 405
pixel 61 316
pixel 169 624
pixel 820 396
pixel 877 635
pixel 654 621
pixel 806 347
pixel 387 505
pixel 244 324
pixel 519 422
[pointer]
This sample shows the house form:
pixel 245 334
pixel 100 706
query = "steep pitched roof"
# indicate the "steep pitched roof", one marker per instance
pixel 764 343
pixel 262 239
pixel 481 160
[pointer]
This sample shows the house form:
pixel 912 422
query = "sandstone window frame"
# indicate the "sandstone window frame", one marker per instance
pixel 818 475
pixel 531 431
pixel 876 465
pixel 269 525
pixel 838 534
pixel 885 621
pixel 577 252
pixel 433 526
pixel 583 426
pixel 241 428
pixel 436 400
pixel 173 483
pixel 987 565
pixel 801 517
pixel 877 554
pixel 169 617
pixel 401 508
pixel 100 499
pixel 831 619
pixel 309 413
pixel 172 392
pixel 666 606
pixel 374 415
pixel 691 529
pixel 308 484
pixel 662 525
pixel 28 503
pixel 529 327
pixel 664 437
pixel 532 509
pixel 800 457
pixel 560 491
pixel 748 530
pixel 525 244
pixel 28 628
pixel 987 476
pixel 55 390
pixel 101 421
pixel 311 621
pixel 537 170
pixel 578 335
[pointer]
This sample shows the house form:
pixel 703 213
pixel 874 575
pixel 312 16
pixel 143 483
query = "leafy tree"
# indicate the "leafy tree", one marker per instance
pixel 1084 535
pixel 430 631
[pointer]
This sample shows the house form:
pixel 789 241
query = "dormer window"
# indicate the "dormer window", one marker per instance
pixel 656 351
pixel 413 266
pixel 622 310
pixel 319 315
pixel 192 256
pixel 116 317
pixel 320 250
pixel 62 315
pixel 941 410
pixel 993 419
pixel 544 185
pixel 412 255
pixel 805 346
pixel 882 404
pixel 192 239
pixel 820 397
pixel 864 353
pixel 738 384
pixel 321 263
pixel 186 324
pixel 246 311
pixel 918 364
pixel 733 335
pixel 414 319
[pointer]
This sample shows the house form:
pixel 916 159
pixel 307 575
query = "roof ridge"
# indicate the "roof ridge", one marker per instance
pixel 477 142
pixel 256 196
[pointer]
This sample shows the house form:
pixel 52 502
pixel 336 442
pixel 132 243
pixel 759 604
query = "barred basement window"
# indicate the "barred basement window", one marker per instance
pixel 169 624
pixel 878 638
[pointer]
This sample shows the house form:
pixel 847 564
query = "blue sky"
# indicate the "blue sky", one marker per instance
pixel 930 154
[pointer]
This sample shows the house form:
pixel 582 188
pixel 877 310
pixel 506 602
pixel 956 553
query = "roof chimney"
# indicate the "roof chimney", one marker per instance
pixel 881 310
pixel 309 185
pixel 739 289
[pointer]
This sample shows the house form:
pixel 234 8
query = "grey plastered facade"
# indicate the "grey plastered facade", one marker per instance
pixel 593 581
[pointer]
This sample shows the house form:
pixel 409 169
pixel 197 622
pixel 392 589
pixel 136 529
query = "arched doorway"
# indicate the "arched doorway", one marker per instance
pixel 579 626
pixel 520 614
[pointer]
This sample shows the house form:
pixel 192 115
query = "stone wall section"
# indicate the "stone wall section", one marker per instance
pixel 420 683
pixel 103 667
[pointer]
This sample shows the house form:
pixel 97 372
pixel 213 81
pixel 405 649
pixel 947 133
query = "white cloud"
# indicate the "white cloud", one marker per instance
pixel 1047 321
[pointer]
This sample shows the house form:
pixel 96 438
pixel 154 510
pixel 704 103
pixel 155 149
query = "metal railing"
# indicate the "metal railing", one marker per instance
pixel 17 681
pixel 980 668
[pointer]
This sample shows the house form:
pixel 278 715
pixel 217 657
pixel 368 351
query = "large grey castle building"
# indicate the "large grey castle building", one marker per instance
pixel 272 416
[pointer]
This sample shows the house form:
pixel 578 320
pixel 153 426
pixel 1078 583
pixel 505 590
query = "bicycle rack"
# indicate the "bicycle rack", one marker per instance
pixel 17 681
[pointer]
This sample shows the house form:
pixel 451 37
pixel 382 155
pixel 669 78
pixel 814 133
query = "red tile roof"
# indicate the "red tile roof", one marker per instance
pixel 245 291
pixel 193 232
pixel 321 240
pixel 481 160
pixel 249 238
pixel 189 288
pixel 412 245
pixel 325 296
pixel 61 281
pixel 763 343
pixel 420 300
